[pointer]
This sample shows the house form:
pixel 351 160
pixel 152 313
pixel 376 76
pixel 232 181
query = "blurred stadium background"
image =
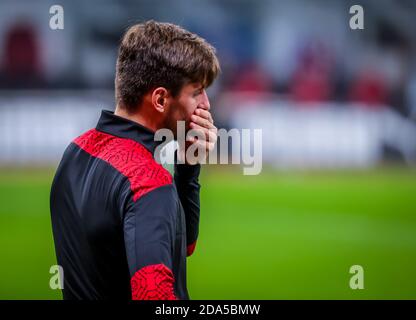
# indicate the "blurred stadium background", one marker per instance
pixel 338 112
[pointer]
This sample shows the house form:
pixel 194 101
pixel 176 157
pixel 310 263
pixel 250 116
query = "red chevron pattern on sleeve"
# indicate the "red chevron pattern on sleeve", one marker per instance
pixel 154 282
pixel 127 156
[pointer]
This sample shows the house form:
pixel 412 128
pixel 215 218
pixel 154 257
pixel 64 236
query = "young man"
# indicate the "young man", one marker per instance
pixel 122 225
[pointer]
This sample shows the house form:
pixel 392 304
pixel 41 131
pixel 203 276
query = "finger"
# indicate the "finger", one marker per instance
pixel 191 139
pixel 196 126
pixel 198 131
pixel 207 146
pixel 209 134
pixel 204 114
pixel 201 121
pixel 212 136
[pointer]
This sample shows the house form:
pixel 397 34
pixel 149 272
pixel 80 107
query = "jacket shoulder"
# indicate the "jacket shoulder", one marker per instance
pixel 128 157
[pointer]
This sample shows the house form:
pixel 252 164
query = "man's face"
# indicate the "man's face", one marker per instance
pixel 191 97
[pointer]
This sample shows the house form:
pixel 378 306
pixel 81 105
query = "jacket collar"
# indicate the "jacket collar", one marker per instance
pixel 125 128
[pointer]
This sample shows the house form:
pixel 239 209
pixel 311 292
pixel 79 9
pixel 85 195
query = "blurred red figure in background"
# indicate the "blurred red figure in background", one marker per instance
pixel 252 79
pixel 311 80
pixel 21 62
pixel 369 88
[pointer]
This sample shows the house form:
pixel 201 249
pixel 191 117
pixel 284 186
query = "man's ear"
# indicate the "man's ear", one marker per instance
pixel 160 98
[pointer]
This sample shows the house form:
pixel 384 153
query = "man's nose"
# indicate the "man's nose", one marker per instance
pixel 204 104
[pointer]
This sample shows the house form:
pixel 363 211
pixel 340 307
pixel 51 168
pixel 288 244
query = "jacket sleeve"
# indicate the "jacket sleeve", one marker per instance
pixel 187 184
pixel 149 232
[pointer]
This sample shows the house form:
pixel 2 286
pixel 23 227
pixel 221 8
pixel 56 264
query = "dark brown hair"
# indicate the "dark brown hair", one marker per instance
pixel 154 54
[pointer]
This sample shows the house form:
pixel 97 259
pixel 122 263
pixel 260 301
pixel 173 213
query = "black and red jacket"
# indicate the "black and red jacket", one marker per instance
pixel 122 225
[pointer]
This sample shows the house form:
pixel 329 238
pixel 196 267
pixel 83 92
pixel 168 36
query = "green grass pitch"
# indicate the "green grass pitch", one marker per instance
pixel 279 235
